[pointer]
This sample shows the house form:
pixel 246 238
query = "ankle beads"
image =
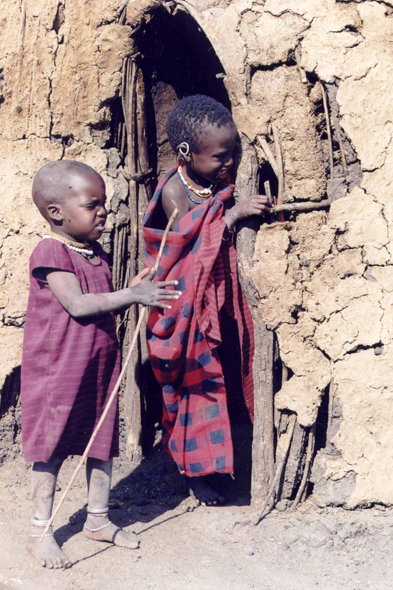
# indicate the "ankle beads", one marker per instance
pixel 40 524
pixel 98 511
pixel 101 513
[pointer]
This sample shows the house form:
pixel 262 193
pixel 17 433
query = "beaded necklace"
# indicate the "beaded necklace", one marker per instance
pixel 203 193
pixel 187 192
pixel 81 248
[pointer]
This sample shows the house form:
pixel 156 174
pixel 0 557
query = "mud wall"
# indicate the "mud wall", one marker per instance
pixel 323 280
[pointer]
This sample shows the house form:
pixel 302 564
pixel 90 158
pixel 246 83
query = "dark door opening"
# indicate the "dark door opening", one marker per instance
pixel 177 60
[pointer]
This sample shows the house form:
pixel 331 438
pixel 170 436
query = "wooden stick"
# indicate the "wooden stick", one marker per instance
pixel 268 192
pixel 280 165
pixel 300 207
pixel 279 469
pixel 130 118
pixel 306 472
pixel 263 433
pixel 269 154
pixel 132 398
pixel 122 6
pixel 344 161
pixel 118 382
pixel 328 129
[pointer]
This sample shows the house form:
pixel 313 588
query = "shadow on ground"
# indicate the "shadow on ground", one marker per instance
pixel 155 487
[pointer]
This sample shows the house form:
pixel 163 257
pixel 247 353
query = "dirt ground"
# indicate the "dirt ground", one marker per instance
pixel 197 549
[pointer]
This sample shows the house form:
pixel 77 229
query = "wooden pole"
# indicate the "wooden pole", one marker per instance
pixel 280 166
pixel 132 395
pixel 277 477
pixel 145 193
pixel 116 388
pixel 307 466
pixel 263 432
pixel 302 207
pixel 268 192
pixel 269 155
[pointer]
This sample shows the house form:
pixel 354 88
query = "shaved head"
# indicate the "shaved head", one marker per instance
pixel 54 181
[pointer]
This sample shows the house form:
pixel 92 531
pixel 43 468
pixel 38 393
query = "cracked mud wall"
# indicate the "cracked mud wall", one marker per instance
pixel 323 280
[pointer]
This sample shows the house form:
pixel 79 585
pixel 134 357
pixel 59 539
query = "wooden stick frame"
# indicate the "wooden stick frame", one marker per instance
pixel 279 469
pixel 118 382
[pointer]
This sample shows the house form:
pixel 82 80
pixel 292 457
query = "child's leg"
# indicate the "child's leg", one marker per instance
pixel 98 526
pixel 47 552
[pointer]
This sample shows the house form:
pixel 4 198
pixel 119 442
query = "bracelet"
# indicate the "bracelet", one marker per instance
pixel 229 235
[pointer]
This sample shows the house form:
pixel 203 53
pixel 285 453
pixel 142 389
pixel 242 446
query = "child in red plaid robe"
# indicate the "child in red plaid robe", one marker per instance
pixel 183 342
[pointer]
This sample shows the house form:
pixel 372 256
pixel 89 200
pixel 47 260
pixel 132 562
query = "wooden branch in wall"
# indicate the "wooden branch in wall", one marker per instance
pixel 270 498
pixel 269 154
pixel 143 163
pixel 328 128
pixel 122 6
pixel 302 207
pixel 263 434
pixel 268 192
pixel 145 193
pixel 280 166
pixel 307 467
pixel 133 408
pixel 344 161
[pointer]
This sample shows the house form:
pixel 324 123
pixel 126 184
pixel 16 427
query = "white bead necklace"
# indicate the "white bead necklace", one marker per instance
pixel 81 248
pixel 203 193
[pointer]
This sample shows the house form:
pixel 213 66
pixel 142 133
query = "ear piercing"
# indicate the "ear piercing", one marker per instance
pixel 184 149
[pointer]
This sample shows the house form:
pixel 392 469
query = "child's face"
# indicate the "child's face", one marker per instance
pixel 215 158
pixel 83 212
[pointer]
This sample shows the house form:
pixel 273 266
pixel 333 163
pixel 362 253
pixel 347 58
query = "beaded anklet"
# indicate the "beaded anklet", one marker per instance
pixel 40 524
pixel 100 512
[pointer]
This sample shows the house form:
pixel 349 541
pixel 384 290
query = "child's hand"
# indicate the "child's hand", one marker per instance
pixel 149 292
pixel 255 205
pixel 137 279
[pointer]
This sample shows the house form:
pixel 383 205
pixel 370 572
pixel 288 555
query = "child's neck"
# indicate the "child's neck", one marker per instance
pixel 193 177
pixel 62 234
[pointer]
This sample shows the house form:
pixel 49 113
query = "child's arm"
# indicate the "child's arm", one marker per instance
pixel 173 196
pixel 67 289
pixel 256 205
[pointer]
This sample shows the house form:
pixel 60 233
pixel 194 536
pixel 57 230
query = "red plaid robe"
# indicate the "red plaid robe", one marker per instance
pixel 183 340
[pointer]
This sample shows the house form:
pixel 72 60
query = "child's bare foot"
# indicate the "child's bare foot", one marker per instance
pixel 204 494
pixel 109 532
pixel 47 552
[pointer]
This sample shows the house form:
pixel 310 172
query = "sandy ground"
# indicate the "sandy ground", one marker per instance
pixel 195 549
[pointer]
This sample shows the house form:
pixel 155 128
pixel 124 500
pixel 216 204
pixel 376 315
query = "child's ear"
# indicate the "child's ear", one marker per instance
pixel 54 212
pixel 184 152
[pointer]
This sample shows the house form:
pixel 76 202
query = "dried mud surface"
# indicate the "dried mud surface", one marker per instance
pixel 195 549
pixel 323 282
